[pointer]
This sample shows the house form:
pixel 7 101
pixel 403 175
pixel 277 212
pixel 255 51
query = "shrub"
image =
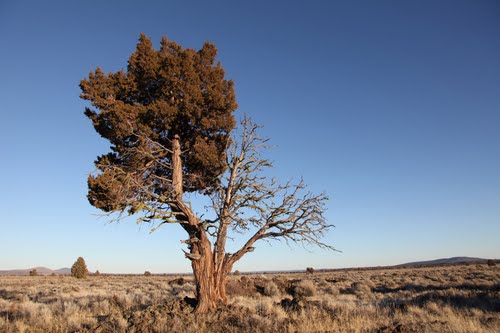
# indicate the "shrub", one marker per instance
pixel 331 291
pixel 305 288
pixel 97 273
pixel 270 289
pixel 491 262
pixel 147 273
pixel 310 270
pixel 179 281
pixel 360 288
pixel 79 269
pixel 33 272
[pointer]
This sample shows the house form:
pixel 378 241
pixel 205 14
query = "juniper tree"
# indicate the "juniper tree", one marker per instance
pixel 169 119
pixel 79 269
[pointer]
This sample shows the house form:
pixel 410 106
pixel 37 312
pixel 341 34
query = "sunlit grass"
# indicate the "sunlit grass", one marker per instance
pixel 440 299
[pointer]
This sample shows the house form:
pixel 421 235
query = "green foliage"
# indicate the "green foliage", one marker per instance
pixel 163 93
pixel 79 269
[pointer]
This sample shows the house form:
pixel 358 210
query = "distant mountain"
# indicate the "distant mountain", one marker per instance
pixel 39 270
pixel 445 261
pixel 63 271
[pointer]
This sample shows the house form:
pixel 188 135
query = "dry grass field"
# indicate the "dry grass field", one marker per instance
pixel 463 298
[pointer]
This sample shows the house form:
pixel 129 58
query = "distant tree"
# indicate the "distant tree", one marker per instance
pixel 236 272
pixel 79 269
pixel 53 274
pixel 147 273
pixel 310 270
pixel 97 273
pixel 169 119
pixel 491 262
pixel 33 272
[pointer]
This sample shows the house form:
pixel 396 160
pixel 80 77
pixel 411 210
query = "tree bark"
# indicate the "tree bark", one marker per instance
pixel 210 282
pixel 203 269
pixel 221 280
pixel 210 272
pixel 177 189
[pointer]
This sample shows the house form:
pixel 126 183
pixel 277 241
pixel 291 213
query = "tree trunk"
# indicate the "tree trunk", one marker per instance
pixel 206 294
pixel 177 189
pixel 221 280
pixel 203 269
pixel 210 280
pixel 210 283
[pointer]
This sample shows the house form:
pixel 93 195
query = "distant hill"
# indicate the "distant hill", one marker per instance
pixel 445 261
pixel 39 270
pixel 435 262
pixel 63 271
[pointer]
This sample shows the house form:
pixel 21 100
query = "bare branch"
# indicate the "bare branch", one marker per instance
pixel 249 199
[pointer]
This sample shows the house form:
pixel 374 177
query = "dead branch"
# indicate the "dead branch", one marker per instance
pixel 248 199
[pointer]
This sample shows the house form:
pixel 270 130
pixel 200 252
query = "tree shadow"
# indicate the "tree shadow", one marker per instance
pixel 482 297
pixel 426 288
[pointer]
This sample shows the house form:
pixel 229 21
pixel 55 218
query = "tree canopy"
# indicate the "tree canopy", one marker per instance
pixel 162 94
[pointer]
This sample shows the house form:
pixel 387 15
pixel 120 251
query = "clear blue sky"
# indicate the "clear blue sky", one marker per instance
pixel 392 107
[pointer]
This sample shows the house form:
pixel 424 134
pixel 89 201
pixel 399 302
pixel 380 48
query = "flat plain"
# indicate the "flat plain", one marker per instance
pixel 458 298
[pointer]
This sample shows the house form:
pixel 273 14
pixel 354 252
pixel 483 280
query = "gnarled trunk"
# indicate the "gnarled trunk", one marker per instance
pixel 203 269
pixel 221 279
pixel 210 283
pixel 209 272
